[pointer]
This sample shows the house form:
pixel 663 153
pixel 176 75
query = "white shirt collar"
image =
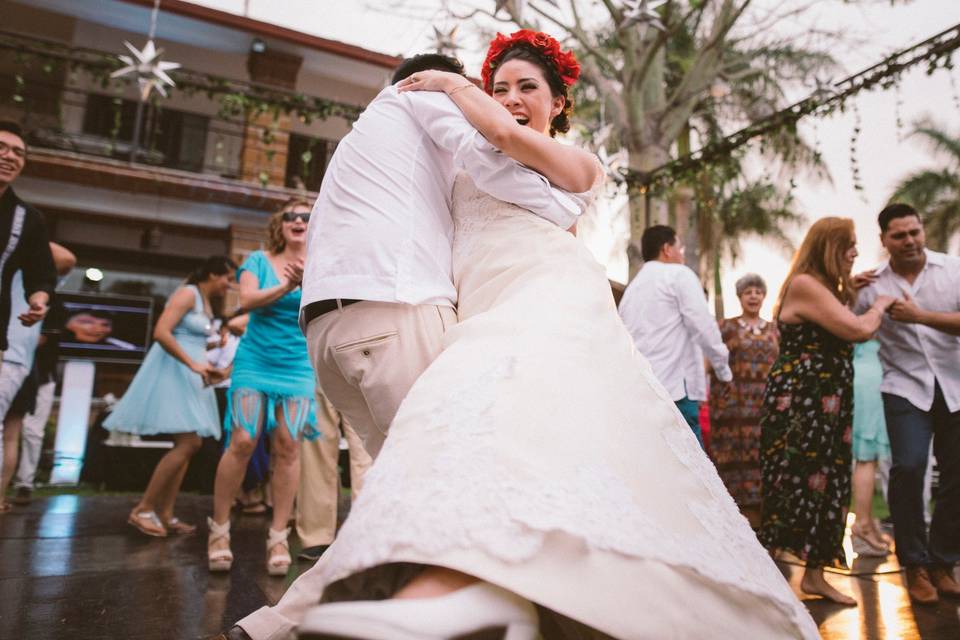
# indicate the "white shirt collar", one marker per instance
pixel 934 258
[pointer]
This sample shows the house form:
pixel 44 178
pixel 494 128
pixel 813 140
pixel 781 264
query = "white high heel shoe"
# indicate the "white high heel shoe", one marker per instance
pixel 479 607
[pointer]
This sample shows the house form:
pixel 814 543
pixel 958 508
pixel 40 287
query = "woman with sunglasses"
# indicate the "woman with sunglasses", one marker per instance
pixel 272 387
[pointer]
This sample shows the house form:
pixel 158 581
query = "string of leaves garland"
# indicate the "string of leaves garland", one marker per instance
pixel 719 157
pixel 235 98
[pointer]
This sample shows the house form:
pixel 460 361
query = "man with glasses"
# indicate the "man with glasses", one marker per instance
pixel 23 247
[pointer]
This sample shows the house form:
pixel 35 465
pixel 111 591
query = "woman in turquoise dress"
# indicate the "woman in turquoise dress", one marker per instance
pixel 272 387
pixel 171 393
pixel 870 445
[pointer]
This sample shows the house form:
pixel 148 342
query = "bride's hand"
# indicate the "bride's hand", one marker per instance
pixel 432 80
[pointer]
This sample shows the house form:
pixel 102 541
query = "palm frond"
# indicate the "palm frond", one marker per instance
pixel 939 139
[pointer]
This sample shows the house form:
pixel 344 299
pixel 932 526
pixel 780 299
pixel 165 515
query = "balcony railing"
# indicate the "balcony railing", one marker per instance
pixel 67 101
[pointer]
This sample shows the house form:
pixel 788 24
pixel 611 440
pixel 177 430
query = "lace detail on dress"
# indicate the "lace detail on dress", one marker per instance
pixel 740 542
pixel 472 211
pixel 476 497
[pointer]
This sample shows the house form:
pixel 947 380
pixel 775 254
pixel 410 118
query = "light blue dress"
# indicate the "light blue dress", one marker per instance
pixel 272 367
pixel 869 426
pixel 166 396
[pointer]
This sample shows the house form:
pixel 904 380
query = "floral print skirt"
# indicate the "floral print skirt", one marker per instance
pixel 805 450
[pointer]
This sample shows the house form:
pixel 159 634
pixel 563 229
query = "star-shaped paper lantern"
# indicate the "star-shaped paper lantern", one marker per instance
pixel 516 7
pixel 445 41
pixel 825 90
pixel 512 6
pixel 149 69
pixel 644 13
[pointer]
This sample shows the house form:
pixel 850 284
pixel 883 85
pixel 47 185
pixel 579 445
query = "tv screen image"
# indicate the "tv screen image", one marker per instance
pixel 107 328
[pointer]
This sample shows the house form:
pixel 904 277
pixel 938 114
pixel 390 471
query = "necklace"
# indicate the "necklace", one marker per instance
pixel 755 329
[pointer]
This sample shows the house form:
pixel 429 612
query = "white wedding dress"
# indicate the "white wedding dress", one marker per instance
pixel 539 453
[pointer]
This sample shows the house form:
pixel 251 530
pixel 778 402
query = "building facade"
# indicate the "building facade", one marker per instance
pixel 142 191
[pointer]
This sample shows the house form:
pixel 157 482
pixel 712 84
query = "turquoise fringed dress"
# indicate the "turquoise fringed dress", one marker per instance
pixel 272 369
pixel 165 395
pixel 869 425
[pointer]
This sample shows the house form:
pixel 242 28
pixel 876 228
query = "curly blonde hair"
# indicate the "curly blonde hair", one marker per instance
pixel 275 242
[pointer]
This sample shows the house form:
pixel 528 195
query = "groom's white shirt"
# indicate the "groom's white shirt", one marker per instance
pixel 381 228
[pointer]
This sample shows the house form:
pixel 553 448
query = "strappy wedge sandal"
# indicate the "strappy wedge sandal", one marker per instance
pixel 147 523
pixel 278 562
pixel 219 559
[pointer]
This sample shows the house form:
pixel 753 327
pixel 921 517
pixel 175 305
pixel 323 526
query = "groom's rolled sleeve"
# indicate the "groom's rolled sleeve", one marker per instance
pixel 492 171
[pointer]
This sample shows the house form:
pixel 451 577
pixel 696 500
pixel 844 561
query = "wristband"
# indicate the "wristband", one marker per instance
pixel 462 87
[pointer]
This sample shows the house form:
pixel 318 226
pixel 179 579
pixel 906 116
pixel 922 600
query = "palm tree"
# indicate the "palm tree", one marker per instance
pixel 744 208
pixel 935 193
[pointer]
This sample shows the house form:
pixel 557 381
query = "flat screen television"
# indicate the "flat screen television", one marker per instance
pixel 105 328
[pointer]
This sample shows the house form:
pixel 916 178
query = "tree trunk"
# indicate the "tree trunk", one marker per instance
pixel 717 286
pixel 685 210
pixel 644 209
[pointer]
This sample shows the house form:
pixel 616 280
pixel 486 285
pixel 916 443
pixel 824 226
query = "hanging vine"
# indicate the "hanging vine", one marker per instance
pixel 854 143
pixel 935 53
pixel 236 99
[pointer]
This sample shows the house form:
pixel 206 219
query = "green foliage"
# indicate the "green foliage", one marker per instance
pixel 934 53
pixel 236 99
pixel 935 193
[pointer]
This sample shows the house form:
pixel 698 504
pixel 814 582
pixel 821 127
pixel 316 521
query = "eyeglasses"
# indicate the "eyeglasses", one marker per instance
pixel 20 152
pixel 291 216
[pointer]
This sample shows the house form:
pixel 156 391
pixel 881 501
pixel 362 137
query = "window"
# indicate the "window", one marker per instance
pixel 307 160
pixel 168 137
pixel 107 115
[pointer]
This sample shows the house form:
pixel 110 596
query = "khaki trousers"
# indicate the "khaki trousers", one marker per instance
pixel 366 356
pixel 320 479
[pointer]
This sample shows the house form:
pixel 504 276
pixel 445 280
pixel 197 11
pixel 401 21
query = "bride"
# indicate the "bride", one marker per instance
pixel 537 477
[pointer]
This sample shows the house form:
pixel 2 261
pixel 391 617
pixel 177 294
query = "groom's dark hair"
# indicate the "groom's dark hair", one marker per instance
pixel 425 61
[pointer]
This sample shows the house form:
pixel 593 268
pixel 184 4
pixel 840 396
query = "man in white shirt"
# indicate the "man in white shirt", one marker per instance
pixel 378 292
pixel 666 313
pixel 378 289
pixel 920 354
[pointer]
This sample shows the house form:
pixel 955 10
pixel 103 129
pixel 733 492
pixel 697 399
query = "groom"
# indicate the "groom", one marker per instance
pixel 378 293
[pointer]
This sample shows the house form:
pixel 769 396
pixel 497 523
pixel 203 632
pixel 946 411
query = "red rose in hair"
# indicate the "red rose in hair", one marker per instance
pixel 564 62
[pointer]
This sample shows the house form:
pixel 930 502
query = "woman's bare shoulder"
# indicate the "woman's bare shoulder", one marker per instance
pixel 184 296
pixel 808 285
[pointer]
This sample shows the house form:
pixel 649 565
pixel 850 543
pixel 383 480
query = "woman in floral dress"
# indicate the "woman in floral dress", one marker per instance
pixel 808 406
pixel 736 407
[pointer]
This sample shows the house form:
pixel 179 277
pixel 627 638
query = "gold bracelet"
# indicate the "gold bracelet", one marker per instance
pixel 461 88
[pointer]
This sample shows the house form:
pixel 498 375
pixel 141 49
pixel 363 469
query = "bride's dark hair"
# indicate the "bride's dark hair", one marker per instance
pixel 561 121
pixel 560 68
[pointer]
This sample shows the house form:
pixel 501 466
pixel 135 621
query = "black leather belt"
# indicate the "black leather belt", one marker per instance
pixel 320 307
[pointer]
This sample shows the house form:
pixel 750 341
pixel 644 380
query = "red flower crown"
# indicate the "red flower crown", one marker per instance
pixel 564 62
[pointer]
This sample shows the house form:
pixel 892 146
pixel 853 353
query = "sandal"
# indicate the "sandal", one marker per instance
pixel 868 543
pixel 278 562
pixel 179 527
pixel 147 523
pixel 219 559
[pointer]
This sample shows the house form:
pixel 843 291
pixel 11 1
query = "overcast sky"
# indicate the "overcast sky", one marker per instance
pixel 876 30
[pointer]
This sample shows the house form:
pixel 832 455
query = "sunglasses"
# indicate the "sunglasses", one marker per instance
pixel 291 216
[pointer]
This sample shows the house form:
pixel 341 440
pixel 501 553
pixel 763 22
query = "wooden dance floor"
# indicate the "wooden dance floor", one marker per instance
pixel 70 567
